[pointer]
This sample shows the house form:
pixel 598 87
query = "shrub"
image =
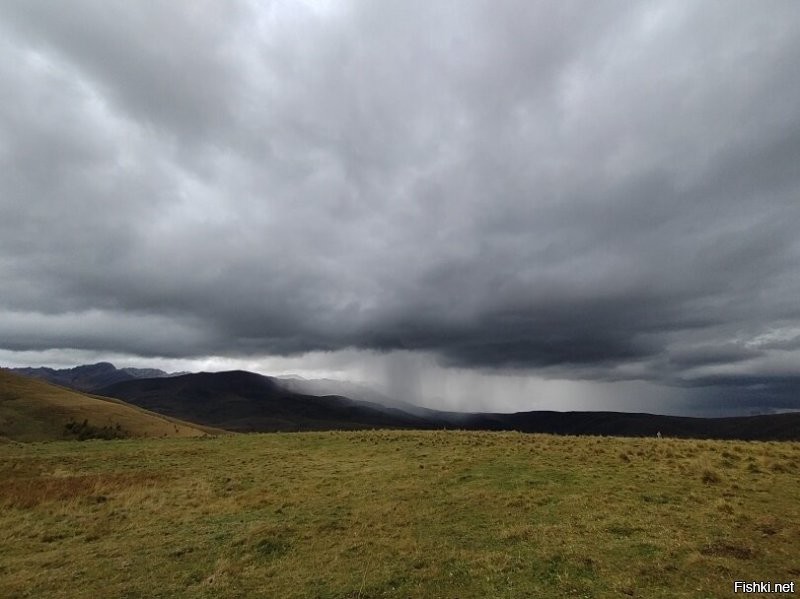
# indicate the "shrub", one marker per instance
pixel 83 431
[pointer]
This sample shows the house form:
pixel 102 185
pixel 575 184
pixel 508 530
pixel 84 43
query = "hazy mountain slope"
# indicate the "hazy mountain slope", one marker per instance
pixel 245 401
pixel 356 391
pixel 33 410
pixel 769 427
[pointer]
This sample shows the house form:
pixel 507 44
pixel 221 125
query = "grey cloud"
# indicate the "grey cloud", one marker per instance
pixel 162 64
pixel 581 191
pixel 711 354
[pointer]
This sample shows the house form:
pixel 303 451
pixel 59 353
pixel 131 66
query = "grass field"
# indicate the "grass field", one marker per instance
pixel 396 514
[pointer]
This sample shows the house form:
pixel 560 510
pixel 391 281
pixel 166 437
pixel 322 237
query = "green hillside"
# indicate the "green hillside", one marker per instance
pixel 397 514
pixel 32 410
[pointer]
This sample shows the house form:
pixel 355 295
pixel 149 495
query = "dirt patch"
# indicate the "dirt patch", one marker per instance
pixel 728 549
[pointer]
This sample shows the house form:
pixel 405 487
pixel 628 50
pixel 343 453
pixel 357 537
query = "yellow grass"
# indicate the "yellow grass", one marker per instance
pixel 396 514
pixel 32 410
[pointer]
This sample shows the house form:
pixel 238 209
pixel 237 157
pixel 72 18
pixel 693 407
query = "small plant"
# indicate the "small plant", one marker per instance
pixel 271 547
pixel 83 431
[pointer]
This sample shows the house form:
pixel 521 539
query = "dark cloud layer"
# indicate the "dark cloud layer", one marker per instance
pixel 605 192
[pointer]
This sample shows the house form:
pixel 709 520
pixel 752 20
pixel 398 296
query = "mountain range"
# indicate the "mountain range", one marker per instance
pixel 89 377
pixel 248 402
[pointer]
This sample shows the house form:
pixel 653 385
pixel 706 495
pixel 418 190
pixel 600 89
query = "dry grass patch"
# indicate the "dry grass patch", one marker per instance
pixel 27 493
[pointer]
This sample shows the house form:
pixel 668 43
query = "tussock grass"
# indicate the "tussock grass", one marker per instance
pixel 396 514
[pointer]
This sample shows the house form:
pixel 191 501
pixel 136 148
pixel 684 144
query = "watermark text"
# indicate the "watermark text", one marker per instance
pixel 742 586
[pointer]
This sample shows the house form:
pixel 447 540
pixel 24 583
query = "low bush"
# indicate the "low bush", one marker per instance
pixel 83 431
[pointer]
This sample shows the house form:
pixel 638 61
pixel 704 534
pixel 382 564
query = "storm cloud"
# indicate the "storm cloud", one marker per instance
pixel 599 192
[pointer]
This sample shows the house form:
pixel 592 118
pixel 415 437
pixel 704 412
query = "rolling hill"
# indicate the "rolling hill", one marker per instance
pixel 772 427
pixel 32 410
pixel 249 402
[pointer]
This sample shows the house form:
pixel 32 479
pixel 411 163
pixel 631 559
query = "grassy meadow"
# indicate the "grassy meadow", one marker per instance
pixel 396 514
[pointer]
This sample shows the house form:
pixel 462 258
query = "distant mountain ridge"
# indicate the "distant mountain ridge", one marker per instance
pixel 249 402
pixel 89 377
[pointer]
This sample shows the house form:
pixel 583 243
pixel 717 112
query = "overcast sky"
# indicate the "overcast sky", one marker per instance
pixel 495 205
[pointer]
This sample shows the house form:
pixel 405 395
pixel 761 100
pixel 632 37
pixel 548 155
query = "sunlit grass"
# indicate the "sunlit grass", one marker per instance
pixel 32 410
pixel 396 514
